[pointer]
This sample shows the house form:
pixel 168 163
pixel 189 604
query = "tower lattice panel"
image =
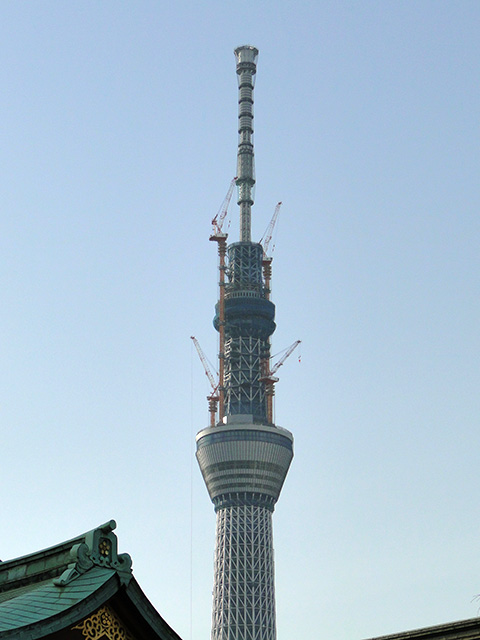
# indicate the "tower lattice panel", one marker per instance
pixel 244 393
pixel 243 593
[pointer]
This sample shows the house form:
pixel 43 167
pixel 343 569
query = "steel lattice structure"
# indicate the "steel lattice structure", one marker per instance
pixel 244 458
pixel 244 391
pixel 244 591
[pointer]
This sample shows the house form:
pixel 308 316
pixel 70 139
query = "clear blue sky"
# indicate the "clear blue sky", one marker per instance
pixel 118 128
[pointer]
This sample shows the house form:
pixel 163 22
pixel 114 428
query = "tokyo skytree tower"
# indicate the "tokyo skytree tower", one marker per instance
pixel 243 456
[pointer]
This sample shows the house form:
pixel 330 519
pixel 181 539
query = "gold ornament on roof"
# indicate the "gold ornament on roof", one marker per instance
pixel 104 624
pixel 104 547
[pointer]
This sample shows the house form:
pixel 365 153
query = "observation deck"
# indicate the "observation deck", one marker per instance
pixel 244 463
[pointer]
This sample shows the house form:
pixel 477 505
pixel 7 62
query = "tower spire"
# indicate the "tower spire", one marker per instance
pixel 246 69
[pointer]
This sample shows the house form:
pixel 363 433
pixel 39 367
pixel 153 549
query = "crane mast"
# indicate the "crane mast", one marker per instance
pixel 269 379
pixel 267 260
pixel 221 239
pixel 212 397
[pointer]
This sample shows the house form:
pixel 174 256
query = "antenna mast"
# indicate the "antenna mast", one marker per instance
pixel 246 70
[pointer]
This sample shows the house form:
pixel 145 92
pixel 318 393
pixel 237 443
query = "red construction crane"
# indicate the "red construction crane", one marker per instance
pixel 213 397
pixel 221 239
pixel 269 379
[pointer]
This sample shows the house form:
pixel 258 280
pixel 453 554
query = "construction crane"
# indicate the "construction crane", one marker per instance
pixel 219 219
pixel 267 236
pixel 221 239
pixel 269 378
pixel 212 397
pixel 267 260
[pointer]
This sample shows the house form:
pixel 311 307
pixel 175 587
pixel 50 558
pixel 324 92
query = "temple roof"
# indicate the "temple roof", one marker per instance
pixel 461 630
pixel 57 588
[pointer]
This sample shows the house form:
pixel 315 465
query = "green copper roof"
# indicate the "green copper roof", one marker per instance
pixel 55 589
pixel 45 585
pixel 47 599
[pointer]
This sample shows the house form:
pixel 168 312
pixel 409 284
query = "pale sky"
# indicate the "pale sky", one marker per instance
pixel 118 127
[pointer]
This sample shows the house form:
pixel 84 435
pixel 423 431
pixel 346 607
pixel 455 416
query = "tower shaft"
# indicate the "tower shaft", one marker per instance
pixel 244 590
pixel 249 322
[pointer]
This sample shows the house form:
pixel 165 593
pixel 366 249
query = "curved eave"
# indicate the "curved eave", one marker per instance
pixel 48 609
pixel 148 614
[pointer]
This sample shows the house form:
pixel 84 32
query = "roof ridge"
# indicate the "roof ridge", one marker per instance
pixel 67 560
